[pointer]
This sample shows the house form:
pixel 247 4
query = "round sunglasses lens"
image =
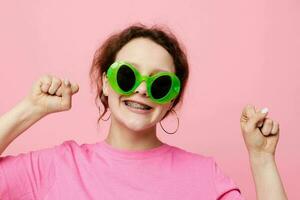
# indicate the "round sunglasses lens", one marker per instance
pixel 125 78
pixel 161 86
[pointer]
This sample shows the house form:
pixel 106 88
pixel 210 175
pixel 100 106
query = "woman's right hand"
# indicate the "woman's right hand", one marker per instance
pixel 50 94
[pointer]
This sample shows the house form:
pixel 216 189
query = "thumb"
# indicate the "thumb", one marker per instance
pixel 258 119
pixel 66 101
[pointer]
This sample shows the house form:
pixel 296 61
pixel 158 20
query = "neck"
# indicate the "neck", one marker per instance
pixel 121 137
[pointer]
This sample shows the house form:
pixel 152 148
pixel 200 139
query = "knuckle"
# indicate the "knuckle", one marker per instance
pixel 46 80
pixel 48 77
pixel 48 83
pixel 45 76
pixel 59 91
pixel 265 132
pixel 274 131
pixel 269 121
pixel 56 81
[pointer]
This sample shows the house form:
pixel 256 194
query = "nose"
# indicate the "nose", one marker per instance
pixel 142 89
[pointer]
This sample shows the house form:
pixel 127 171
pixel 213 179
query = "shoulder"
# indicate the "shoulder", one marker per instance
pixel 26 173
pixel 193 159
pixel 208 169
pixel 72 150
pixel 200 160
pixel 41 159
pixel 72 145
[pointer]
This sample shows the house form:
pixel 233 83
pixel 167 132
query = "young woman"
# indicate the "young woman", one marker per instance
pixel 140 74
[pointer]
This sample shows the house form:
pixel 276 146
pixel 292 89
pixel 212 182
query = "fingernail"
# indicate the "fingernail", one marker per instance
pixel 264 110
pixel 66 82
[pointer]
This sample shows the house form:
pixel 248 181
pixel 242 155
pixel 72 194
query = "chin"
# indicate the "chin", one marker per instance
pixel 138 126
pixel 133 121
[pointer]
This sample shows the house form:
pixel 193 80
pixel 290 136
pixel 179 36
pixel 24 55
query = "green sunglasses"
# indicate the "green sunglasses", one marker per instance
pixel 124 78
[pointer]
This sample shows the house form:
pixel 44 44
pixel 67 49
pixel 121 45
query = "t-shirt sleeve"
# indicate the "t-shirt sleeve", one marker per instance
pixel 226 188
pixel 27 175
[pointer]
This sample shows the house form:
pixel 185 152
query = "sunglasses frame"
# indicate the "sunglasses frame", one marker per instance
pixel 172 93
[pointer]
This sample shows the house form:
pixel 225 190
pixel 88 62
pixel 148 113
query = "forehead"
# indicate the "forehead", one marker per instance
pixel 146 55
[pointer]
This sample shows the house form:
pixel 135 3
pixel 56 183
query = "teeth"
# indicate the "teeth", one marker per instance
pixel 137 105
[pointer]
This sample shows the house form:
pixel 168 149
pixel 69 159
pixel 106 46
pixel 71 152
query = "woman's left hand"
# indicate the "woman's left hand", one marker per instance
pixel 260 133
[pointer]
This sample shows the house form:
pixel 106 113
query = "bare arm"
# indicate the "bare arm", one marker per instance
pixel 48 95
pixel 261 135
pixel 14 122
pixel 266 178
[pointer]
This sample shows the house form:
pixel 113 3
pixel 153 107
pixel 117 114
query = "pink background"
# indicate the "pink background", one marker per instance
pixel 239 51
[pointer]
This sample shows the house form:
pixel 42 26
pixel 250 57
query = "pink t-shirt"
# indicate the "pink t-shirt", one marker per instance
pixel 100 171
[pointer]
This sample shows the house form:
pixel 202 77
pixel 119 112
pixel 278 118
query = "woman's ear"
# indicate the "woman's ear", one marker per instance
pixel 104 84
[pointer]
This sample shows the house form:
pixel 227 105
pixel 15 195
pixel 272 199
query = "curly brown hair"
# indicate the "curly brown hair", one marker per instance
pixel 105 55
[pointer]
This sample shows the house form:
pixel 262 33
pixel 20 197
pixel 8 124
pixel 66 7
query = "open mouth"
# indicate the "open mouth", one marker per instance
pixel 136 105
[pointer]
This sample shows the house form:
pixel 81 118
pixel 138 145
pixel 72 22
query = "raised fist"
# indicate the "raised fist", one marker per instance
pixel 50 94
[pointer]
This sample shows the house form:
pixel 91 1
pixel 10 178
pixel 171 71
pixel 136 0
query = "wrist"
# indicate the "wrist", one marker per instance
pixel 32 109
pixel 261 158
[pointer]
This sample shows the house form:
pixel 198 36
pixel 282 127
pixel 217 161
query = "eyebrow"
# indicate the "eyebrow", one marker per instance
pixel 153 71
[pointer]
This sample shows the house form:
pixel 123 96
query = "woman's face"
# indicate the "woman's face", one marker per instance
pixel 149 58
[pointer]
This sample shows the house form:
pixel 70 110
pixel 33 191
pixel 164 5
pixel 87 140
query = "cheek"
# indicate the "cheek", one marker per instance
pixel 162 109
pixel 113 98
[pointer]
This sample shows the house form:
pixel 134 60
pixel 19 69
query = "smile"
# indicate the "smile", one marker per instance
pixel 137 107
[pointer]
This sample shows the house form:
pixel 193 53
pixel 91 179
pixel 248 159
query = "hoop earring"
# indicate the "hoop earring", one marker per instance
pixel 177 124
